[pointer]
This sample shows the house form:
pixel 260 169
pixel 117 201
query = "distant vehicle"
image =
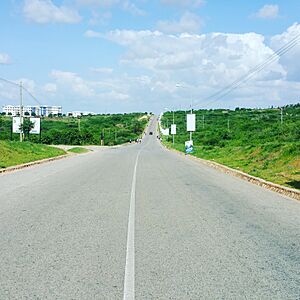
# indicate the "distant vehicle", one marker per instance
pixel 150 132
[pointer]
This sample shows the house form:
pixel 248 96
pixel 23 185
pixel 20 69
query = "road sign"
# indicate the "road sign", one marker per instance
pixel 173 129
pixel 37 125
pixel 189 147
pixel 191 122
pixel 16 124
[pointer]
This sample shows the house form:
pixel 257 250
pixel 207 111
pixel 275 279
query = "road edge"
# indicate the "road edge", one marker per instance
pixel 289 192
pixel 32 163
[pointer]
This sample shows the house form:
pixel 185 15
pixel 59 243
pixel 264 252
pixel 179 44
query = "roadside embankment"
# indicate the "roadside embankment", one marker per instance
pixel 274 168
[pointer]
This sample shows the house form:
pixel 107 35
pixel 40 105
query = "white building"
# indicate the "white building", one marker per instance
pixel 44 110
pixel 76 114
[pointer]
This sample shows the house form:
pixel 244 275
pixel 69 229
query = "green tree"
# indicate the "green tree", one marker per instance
pixel 26 127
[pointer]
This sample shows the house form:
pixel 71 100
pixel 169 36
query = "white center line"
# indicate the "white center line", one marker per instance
pixel 129 267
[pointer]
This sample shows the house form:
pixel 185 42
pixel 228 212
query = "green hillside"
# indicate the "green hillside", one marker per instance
pixel 261 142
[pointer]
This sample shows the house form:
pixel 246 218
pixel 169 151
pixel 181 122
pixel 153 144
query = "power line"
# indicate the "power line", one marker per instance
pixel 8 81
pixel 235 84
pixel 26 90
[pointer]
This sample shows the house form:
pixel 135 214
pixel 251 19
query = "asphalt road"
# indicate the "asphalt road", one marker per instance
pixel 170 227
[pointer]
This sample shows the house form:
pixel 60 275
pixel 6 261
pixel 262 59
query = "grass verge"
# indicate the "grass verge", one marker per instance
pixel 78 150
pixel 16 153
pixel 275 162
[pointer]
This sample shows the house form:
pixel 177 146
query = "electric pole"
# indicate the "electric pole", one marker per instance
pixel 21 112
pixel 203 121
pixel 281 115
pixel 228 125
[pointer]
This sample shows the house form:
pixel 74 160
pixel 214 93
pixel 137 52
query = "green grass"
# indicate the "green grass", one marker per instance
pixel 256 142
pixel 78 150
pixel 15 153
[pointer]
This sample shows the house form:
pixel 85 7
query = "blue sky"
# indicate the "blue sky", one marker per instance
pixel 125 55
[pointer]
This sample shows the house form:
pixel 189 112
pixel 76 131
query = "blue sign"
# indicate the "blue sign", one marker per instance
pixel 189 147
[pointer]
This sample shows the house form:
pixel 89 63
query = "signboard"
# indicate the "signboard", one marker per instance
pixel 189 147
pixel 191 122
pixel 16 124
pixel 37 125
pixel 165 131
pixel 173 129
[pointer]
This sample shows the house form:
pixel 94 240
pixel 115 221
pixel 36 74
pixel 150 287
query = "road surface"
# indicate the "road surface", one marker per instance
pixel 140 221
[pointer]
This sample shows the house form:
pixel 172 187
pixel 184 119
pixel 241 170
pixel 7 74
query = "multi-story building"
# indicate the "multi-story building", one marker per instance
pixel 44 110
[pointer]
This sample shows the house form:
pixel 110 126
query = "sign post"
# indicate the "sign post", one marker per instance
pixel 190 126
pixel 173 131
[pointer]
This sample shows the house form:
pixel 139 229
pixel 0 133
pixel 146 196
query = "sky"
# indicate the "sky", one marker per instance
pixel 109 56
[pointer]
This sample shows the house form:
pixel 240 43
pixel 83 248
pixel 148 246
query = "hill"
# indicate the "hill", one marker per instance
pixel 261 142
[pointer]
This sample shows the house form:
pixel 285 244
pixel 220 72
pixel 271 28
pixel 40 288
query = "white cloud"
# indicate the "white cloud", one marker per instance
pixel 45 11
pixel 290 61
pixel 92 34
pixel 74 81
pixel 189 22
pixel 99 18
pixel 4 59
pixel 132 8
pixel 50 87
pixel 204 63
pixel 101 3
pixel 184 3
pixel 268 11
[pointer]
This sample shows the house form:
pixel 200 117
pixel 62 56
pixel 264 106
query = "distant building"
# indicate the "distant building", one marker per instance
pixel 76 114
pixel 43 110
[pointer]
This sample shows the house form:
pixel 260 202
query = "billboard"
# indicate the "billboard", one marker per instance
pixel 37 125
pixel 16 124
pixel 35 130
pixel 191 122
pixel 173 129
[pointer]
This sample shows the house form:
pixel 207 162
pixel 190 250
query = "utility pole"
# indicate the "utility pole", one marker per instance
pixel 281 115
pixel 21 111
pixel 173 123
pixel 79 124
pixel 228 125
pixel 191 131
pixel 203 121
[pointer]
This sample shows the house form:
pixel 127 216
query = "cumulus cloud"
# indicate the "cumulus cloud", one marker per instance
pixel 50 87
pixel 189 22
pixel 268 11
pixel 205 63
pixel 184 3
pixel 290 61
pixel 4 59
pixel 104 89
pixel 45 11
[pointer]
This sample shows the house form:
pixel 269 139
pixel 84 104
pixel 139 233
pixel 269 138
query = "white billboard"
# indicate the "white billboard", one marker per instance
pixel 16 124
pixel 165 131
pixel 37 125
pixel 191 122
pixel 173 129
